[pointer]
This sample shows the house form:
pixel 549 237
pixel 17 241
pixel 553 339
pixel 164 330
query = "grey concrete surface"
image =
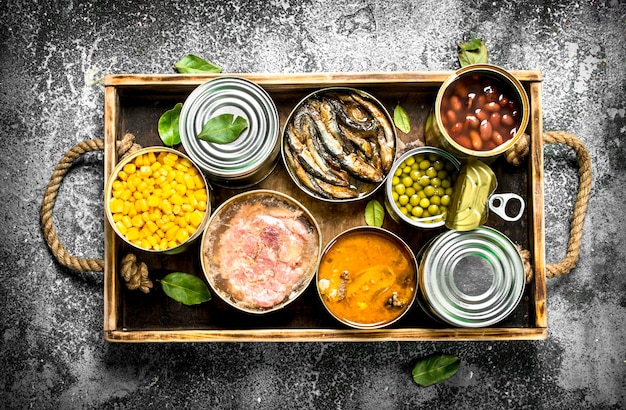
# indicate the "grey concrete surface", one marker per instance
pixel 53 57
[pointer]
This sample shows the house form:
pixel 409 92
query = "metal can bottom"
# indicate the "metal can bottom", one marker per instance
pixel 470 279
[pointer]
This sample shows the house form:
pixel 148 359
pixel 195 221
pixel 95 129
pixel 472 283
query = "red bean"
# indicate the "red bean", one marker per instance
pixel 507 120
pixel 471 121
pixel 481 114
pixel 455 103
pixel 503 100
pixel 485 130
pixel 495 119
pixel 497 137
pixel 477 142
pixel 492 106
pixel 456 128
pixel 451 117
pixel 469 104
pixel 464 141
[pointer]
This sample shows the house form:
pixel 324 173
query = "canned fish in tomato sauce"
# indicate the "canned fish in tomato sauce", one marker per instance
pixel 470 279
pixel 253 155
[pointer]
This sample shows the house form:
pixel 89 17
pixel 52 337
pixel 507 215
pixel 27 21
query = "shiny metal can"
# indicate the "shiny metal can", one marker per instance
pixel 470 279
pixel 480 111
pixel 474 185
pixel 253 155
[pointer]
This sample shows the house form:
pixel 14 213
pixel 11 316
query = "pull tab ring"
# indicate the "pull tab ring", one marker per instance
pixel 498 202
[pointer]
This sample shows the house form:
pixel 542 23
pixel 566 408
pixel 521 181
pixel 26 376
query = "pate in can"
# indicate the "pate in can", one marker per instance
pixel 470 279
pixel 252 156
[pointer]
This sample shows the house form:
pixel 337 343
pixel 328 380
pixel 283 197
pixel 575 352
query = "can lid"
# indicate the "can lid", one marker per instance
pixel 240 97
pixel 472 279
pixel 474 184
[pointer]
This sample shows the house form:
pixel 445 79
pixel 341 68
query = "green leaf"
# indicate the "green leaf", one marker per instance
pixel 374 213
pixel 435 369
pixel 473 52
pixel 185 288
pixel 168 126
pixel 194 64
pixel 222 129
pixel 401 119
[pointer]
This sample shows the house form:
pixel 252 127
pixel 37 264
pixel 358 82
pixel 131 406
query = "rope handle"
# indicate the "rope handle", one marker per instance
pixel 514 156
pixel 124 147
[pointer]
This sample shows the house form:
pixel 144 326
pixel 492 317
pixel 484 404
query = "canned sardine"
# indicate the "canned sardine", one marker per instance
pixel 252 156
pixel 470 279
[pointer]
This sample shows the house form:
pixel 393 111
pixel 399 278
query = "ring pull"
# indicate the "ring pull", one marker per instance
pixel 498 203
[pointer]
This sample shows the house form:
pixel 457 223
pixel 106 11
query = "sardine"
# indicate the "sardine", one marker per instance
pixel 338 192
pixel 306 179
pixel 353 115
pixel 386 138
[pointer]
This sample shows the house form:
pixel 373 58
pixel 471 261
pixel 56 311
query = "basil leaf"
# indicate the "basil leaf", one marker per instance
pixel 401 119
pixel 222 129
pixel 435 369
pixel 185 288
pixel 168 126
pixel 473 52
pixel 374 213
pixel 194 64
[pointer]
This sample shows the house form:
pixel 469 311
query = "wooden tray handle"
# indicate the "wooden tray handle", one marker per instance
pixel 125 146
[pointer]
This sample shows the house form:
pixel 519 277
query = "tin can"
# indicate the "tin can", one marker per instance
pixel 470 279
pixel 481 111
pixel 354 187
pixel 129 207
pixel 252 156
pixel 449 164
pixel 474 185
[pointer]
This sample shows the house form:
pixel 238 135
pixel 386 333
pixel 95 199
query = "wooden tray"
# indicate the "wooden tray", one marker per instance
pixel 134 103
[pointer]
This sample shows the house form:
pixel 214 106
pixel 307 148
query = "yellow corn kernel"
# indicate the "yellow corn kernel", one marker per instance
pixel 144 233
pixel 170 234
pixel 152 227
pixel 153 201
pixel 142 185
pixel 190 229
pixel 166 226
pixel 145 171
pixel 160 234
pixel 155 215
pixel 129 168
pixel 145 216
pixel 198 181
pixel 182 235
pixel 176 209
pixel 182 221
pixel 187 208
pixel 155 166
pixel 126 207
pixel 151 157
pixel 117 217
pixel 181 167
pixel 189 182
pixel 126 194
pixel 123 175
pixel 143 204
pixel 117 194
pixel 170 159
pixel 196 218
pixel 192 200
pixel 138 162
pixel 201 205
pixel 117 185
pixel 200 194
pixel 131 209
pixel 177 199
pixel 152 241
pixel 137 195
pixel 181 189
pixel 127 221
pixel 116 205
pixel 121 228
pixel 166 219
pixel 163 243
pixel 166 207
pixel 137 221
pixel 172 244
pixel 180 177
pixel 184 161
pixel 132 234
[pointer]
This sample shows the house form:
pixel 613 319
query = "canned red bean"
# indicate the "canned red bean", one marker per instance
pixel 480 111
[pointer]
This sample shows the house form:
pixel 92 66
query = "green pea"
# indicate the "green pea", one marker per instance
pixel 415 175
pixel 438 164
pixel 443 174
pixel 407 181
pixel 445 200
pixel 410 191
pixel 439 191
pixel 433 157
pixel 424 165
pixel 398 172
pixel 433 209
pixel 400 189
pixel 435 200
pixel 429 190
pixel 424 203
pixel 406 170
pixel 395 180
pixel 417 211
pixel 395 196
pixel 414 200
pixel 435 181
pixel 424 180
pixel 410 160
pixel 403 200
pixel 445 183
pixel 431 172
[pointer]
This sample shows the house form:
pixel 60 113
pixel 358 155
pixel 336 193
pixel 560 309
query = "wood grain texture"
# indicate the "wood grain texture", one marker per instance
pixel 134 103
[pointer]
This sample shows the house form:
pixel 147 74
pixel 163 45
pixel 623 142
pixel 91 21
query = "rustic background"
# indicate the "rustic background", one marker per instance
pixel 54 57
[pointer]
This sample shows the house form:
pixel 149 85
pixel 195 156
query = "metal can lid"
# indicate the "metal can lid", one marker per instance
pixel 474 184
pixel 256 144
pixel 471 279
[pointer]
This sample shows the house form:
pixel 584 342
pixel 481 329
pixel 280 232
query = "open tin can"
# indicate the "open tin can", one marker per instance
pixel 470 279
pixel 481 111
pixel 252 156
